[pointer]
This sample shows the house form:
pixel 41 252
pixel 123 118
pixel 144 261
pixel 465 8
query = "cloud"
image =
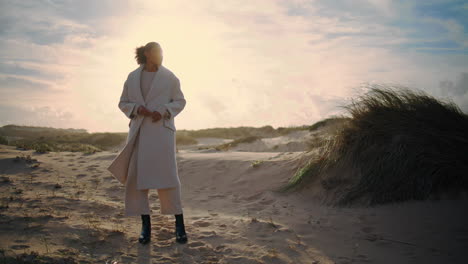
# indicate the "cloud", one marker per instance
pixel 457 90
pixel 36 116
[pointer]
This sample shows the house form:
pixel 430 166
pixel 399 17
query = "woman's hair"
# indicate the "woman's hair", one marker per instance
pixel 140 51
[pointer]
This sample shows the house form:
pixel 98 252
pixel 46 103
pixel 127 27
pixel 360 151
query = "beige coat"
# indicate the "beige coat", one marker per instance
pixel 156 165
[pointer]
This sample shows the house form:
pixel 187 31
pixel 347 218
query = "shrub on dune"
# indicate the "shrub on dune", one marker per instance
pixel 399 145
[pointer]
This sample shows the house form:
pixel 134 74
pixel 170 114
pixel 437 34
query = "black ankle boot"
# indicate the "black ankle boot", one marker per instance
pixel 181 236
pixel 145 235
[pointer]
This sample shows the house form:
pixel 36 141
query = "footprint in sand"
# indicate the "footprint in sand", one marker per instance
pixel 222 249
pixel 201 223
pixel 216 196
pixel 201 249
pixel 367 229
pixel 266 201
pixel 108 178
pixel 164 234
pixel 90 169
pixel 19 246
pixel 243 260
pixel 115 198
pixel 253 197
pixel 221 167
pixel 128 259
pixel 196 244
pixel 207 234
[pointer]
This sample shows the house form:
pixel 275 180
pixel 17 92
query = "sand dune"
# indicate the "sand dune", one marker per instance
pixel 68 207
pixel 292 142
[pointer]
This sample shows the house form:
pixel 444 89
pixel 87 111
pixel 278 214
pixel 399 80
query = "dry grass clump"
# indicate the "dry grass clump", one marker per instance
pixel 399 145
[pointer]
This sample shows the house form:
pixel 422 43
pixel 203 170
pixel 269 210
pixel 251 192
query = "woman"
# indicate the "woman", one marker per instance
pixel 151 98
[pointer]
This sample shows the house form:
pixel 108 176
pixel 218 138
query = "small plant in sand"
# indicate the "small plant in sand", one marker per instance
pixel 273 253
pixel 256 163
pixel 74 183
pixel 5 203
pixel 31 176
pixel 41 147
pixel 67 214
pixel 90 150
pixel 33 163
pixel 5 180
pixel 205 147
pixel 92 222
pixel 45 242
pixel 26 158
pixel 298 239
pixel 77 194
pixel 27 218
pixel 21 202
pixel 271 223
pixel 17 191
pixel 88 194
pixel 96 182
pixel 117 226
pixel 53 192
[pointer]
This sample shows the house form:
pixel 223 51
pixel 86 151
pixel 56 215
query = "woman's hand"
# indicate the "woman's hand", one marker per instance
pixel 144 111
pixel 156 116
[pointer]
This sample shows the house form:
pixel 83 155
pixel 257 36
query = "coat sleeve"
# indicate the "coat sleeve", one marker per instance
pixel 126 106
pixel 177 103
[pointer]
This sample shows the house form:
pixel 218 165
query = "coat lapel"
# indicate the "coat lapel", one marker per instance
pixel 153 83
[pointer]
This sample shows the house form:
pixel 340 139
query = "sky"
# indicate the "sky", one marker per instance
pixel 240 63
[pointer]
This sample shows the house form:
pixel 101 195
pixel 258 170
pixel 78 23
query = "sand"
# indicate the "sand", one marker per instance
pixel 68 205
